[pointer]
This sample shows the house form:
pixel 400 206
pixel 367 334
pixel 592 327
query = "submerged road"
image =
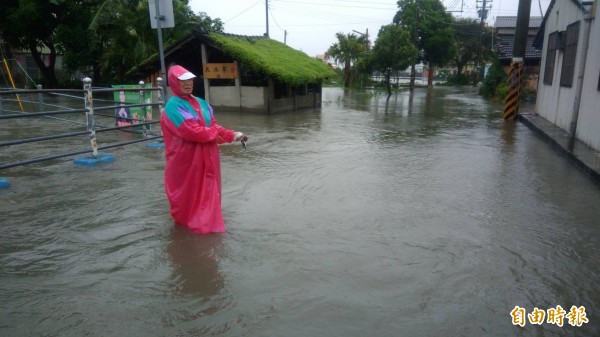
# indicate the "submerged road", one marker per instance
pixel 424 215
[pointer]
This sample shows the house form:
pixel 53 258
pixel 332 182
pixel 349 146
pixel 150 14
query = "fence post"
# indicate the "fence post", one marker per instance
pixel 89 114
pixel 40 98
pixel 94 159
pixel 160 143
pixel 144 109
pixel 161 94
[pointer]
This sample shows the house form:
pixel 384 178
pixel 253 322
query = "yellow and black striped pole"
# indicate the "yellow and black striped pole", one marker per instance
pixel 430 76
pixel 511 107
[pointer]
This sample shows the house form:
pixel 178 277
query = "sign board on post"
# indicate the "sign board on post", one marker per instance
pixel 166 12
pixel 219 70
pixel 124 115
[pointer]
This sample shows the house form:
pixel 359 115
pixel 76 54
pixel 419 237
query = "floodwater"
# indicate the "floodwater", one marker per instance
pixel 426 215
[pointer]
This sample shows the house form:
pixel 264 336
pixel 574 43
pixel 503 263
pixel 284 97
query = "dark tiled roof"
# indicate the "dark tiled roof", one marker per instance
pixel 511 22
pixel 504 48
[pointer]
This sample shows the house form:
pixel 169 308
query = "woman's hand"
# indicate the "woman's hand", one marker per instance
pixel 239 137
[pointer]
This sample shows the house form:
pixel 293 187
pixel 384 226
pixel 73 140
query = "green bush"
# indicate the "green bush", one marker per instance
pixel 495 83
pixel 458 79
pixel 501 90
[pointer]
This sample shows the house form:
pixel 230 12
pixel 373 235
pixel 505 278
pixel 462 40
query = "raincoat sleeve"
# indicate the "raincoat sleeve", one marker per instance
pixel 224 135
pixel 185 125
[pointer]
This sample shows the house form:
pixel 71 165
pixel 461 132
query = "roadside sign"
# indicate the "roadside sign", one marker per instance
pixel 165 9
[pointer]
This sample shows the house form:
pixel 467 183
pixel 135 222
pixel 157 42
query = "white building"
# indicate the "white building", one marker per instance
pixel 569 84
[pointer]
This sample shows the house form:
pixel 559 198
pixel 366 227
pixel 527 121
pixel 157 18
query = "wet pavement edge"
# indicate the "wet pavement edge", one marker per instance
pixel 582 155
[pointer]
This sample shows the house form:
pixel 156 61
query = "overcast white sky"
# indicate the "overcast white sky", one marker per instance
pixel 311 25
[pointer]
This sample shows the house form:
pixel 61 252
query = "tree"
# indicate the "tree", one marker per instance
pixel 103 37
pixel 80 47
pixel 469 44
pixel 348 50
pixel 125 37
pixel 431 31
pixel 32 25
pixel 393 51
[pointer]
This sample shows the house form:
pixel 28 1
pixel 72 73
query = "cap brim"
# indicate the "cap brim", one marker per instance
pixel 186 76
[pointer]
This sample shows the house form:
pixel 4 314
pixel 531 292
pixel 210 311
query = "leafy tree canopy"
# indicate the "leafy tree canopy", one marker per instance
pixel 347 51
pixel 430 27
pixel 32 25
pixel 472 46
pixel 100 38
pixel 393 51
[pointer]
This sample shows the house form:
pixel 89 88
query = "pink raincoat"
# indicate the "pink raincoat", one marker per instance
pixel 193 164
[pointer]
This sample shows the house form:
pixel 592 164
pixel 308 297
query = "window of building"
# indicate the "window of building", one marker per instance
pixel 568 65
pixel 553 41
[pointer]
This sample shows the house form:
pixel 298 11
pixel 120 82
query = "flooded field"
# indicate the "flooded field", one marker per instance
pixel 424 215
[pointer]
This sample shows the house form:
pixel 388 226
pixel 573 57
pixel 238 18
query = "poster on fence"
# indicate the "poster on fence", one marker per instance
pixel 129 116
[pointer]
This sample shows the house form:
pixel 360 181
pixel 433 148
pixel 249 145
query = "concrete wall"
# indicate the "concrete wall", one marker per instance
pixel 282 104
pixel 229 99
pixel 224 98
pixel 556 103
pixel 255 99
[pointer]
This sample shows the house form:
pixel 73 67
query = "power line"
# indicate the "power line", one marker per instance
pixel 276 23
pixel 244 11
pixel 367 4
pixel 328 16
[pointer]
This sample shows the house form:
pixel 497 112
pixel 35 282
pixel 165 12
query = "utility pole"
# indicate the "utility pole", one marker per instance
pixel 267 16
pixel 411 84
pixel 521 30
pixel 511 107
pixel 366 35
pixel 483 12
pixel 161 16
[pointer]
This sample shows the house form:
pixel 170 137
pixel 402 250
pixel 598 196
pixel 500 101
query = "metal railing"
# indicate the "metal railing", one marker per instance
pixel 39 108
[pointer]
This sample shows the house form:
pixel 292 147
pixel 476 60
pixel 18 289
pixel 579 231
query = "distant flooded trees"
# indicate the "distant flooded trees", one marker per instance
pixel 431 31
pixel 348 51
pixel 393 52
pixel 102 39
pixel 438 38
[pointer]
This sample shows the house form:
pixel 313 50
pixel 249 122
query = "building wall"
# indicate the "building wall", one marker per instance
pixel 228 98
pixel 254 99
pixel 588 126
pixel 554 102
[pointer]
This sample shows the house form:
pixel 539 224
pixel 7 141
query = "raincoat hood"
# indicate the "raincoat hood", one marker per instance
pixel 178 73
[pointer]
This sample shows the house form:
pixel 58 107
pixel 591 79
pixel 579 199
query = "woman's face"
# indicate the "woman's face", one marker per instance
pixel 186 86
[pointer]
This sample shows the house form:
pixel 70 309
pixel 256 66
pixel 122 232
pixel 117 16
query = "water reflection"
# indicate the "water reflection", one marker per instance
pixel 194 263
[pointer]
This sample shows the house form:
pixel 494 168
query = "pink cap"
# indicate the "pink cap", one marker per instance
pixel 181 73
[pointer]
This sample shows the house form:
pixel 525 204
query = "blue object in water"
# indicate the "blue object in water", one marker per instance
pixel 4 183
pixel 156 145
pixel 95 161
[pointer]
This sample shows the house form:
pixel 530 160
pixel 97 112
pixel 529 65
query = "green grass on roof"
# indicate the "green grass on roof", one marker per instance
pixel 274 59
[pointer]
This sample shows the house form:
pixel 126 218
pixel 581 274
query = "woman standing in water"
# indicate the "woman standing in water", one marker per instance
pixel 193 165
